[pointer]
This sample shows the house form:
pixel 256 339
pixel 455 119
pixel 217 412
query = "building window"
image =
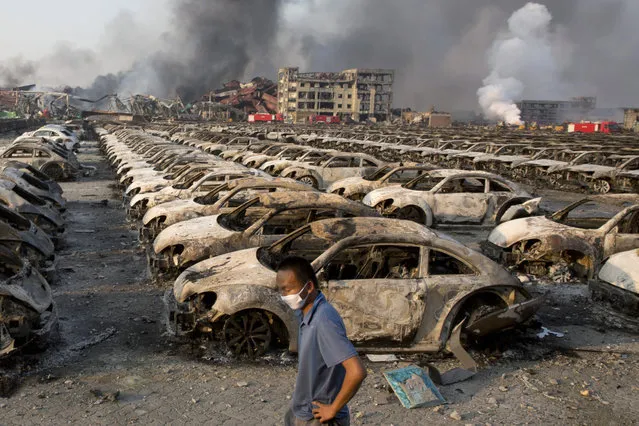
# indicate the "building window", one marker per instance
pixel 339 96
pixel 348 106
pixel 350 96
pixel 302 85
pixel 339 105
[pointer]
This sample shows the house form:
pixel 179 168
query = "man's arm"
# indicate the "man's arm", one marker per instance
pixel 355 375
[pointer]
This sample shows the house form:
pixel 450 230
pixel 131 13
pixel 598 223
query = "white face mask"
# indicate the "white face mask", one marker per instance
pixel 295 301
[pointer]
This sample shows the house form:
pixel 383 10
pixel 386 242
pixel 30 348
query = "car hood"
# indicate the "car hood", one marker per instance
pixel 374 197
pixel 622 270
pixel 201 228
pixel 34 237
pixel 149 184
pixel 30 288
pixel 508 233
pixel 544 163
pixel 168 208
pixel 154 198
pixel 345 183
pixel 238 268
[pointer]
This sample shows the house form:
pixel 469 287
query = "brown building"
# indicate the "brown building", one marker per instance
pixel 630 119
pixel 358 94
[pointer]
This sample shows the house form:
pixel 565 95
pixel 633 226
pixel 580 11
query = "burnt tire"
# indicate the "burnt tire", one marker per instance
pixel 601 186
pixel 54 171
pixel 411 213
pixel 248 333
pixel 308 180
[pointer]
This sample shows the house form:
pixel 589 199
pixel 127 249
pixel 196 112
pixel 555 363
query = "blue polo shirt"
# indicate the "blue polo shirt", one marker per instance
pixel 322 347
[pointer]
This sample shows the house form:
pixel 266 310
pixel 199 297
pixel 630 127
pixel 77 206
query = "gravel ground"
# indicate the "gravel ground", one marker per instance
pixel 112 363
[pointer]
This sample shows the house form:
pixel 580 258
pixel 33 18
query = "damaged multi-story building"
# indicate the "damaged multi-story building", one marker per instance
pixel 358 94
pixel 556 112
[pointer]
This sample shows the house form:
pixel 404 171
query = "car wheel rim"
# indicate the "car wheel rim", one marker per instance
pixel 602 186
pixel 247 333
pixel 307 180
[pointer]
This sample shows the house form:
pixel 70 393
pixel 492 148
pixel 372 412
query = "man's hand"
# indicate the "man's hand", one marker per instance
pixel 323 412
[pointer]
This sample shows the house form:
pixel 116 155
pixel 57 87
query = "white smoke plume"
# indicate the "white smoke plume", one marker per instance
pixel 522 61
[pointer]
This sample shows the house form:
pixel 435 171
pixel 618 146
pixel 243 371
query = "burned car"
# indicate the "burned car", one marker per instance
pixel 356 188
pixel 331 168
pixel 32 207
pixel 32 172
pixel 452 197
pixel 576 238
pixel 308 156
pixel 27 310
pixel 618 282
pixel 35 186
pixel 195 185
pixel 259 221
pixel 226 196
pixel 398 286
pixel 51 161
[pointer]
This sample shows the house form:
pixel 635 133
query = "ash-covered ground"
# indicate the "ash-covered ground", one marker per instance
pixel 113 364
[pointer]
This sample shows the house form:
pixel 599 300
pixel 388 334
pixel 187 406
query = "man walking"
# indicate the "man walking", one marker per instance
pixel 329 370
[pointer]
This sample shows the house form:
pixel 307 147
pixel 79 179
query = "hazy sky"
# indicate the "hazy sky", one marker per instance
pixel 442 50
pixel 31 27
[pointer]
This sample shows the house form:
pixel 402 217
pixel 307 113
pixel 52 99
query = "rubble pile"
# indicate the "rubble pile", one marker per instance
pixel 259 95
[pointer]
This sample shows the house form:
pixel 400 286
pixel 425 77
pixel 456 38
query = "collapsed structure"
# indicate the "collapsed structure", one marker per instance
pixel 358 94
pixel 556 112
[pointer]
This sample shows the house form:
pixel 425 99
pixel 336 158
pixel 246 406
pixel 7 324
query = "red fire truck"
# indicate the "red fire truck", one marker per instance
pixel 597 127
pixel 264 118
pixel 328 119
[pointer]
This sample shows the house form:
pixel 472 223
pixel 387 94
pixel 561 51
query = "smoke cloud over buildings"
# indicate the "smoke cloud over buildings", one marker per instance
pixel 519 58
pixel 437 47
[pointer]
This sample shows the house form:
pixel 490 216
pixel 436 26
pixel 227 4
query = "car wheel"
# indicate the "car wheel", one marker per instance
pixel 247 333
pixel 554 179
pixel 54 171
pixel 411 213
pixel 357 197
pixel 601 186
pixel 308 180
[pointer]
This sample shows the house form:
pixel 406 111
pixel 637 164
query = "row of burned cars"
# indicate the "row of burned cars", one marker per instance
pixel 218 210
pixel 32 228
pixel 597 167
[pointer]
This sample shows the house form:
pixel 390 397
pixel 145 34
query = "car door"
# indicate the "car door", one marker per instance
pixel 40 158
pixel 378 291
pixel 624 236
pixel 460 200
pixel 339 168
pixel 498 194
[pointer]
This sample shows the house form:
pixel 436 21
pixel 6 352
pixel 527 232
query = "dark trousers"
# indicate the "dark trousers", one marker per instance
pixel 291 420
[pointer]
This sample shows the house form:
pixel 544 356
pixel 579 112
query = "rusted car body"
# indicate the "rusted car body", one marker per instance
pixel 331 168
pixel 35 186
pixel 580 243
pixel 32 207
pixel 194 186
pixel 450 197
pixel 356 188
pixel 275 167
pixel 27 310
pixel 52 161
pixel 259 221
pixel 29 170
pixel 398 286
pixel 226 196
pixel 618 282
pixel 610 178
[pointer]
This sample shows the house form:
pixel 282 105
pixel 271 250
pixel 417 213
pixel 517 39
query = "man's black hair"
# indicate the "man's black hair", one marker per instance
pixel 301 268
